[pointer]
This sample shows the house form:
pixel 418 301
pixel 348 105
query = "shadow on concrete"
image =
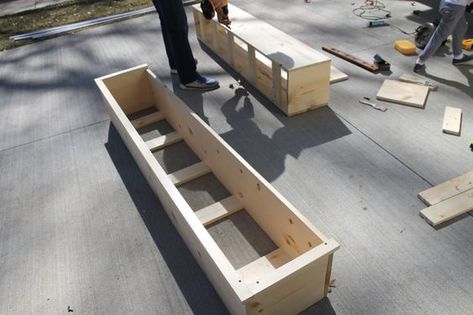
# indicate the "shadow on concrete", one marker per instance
pixel 323 307
pixel 466 70
pixel 194 285
pixel 299 132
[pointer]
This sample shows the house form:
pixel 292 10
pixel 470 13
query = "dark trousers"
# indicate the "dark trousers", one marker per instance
pixel 175 34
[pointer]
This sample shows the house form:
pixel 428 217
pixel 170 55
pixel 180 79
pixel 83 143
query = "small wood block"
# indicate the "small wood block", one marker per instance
pixel 403 93
pixel 219 210
pixel 337 75
pixel 147 120
pixel 163 141
pixel 189 173
pixel 449 209
pixel 447 189
pixel 452 120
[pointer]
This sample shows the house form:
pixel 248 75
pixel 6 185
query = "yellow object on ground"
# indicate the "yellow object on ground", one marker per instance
pixel 405 47
pixel 467 44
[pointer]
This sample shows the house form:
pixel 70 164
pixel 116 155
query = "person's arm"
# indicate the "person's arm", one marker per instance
pixel 221 16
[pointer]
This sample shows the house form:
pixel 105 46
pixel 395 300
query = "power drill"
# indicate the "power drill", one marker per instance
pixel 209 11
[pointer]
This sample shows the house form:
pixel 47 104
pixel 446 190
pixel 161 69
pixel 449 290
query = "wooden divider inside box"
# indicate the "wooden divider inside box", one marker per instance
pixel 294 76
pixel 284 263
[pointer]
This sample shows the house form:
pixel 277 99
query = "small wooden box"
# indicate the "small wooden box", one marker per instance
pixel 285 281
pixel 294 76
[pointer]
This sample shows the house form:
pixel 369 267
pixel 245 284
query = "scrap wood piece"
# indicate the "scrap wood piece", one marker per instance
pixel 163 141
pixel 449 209
pixel 336 75
pixel 452 121
pixel 189 173
pixel 403 93
pixel 417 80
pixel 447 189
pixel 147 120
pixel 350 58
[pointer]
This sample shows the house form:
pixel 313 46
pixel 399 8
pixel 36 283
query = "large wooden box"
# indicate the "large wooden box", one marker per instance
pixel 285 281
pixel 294 76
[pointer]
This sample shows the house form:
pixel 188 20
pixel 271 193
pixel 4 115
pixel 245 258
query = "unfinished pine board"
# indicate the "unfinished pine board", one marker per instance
pixel 449 209
pixel 189 173
pixel 287 289
pixel 452 120
pixel 294 76
pixel 336 75
pixel 219 210
pixel 447 189
pixel 163 141
pixel 403 93
pixel 147 120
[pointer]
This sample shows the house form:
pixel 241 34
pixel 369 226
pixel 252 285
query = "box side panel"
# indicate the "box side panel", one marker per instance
pixel 131 91
pixel 294 293
pixel 308 88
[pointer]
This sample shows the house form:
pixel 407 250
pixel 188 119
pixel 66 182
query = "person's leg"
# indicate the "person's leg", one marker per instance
pixel 451 14
pixel 173 17
pixel 458 36
pixel 167 41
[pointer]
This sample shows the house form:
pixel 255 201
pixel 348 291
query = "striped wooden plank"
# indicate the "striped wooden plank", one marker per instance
pixel 163 141
pixel 449 209
pixel 447 189
pixel 147 120
pixel 189 173
pixel 219 210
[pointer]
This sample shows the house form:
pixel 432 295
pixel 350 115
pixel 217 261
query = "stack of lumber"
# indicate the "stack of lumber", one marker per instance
pixel 448 200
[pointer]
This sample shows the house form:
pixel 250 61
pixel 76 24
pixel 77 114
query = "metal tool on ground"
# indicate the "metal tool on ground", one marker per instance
pixel 417 80
pixel 367 101
pixel 377 23
pixel 381 64
pixel 378 65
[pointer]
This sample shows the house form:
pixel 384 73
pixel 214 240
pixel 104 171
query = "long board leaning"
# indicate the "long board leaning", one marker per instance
pixel 286 281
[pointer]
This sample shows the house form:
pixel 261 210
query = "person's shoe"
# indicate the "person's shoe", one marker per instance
pixel 174 71
pixel 202 84
pixel 464 59
pixel 419 68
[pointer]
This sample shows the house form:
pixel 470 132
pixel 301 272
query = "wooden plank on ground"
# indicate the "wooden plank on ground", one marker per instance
pixel 147 120
pixel 219 210
pixel 403 93
pixel 336 75
pixel 449 209
pixel 447 189
pixel 189 173
pixel 452 120
pixel 163 141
